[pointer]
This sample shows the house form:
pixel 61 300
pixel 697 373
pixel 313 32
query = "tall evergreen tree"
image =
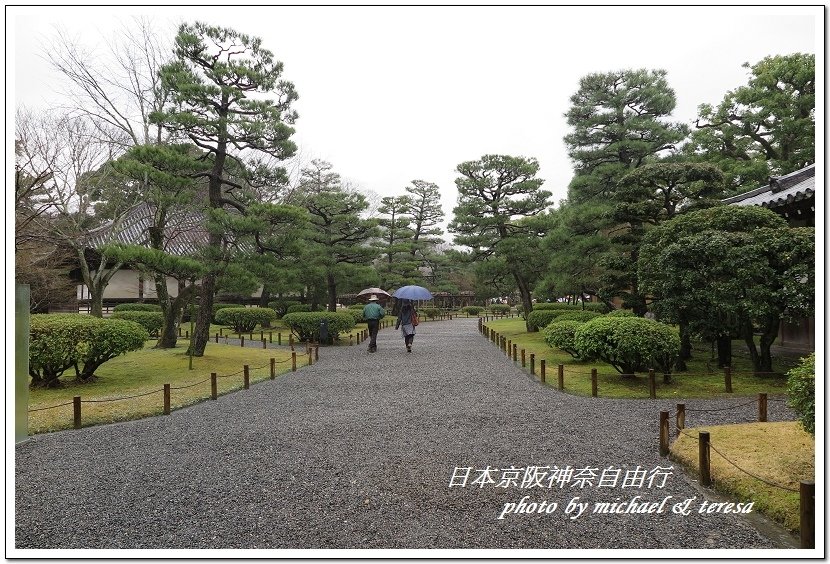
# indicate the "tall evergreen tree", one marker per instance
pixel 495 194
pixel 219 82
pixel 765 128
pixel 397 267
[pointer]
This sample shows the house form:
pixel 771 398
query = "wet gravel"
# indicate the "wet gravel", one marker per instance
pixel 358 451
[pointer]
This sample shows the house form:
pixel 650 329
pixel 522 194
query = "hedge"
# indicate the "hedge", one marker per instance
pixel 560 335
pixel 281 306
pixel 150 320
pixel 580 316
pixel 60 341
pixel 629 344
pixel 136 307
pixel 306 324
pixel 295 308
pixel 539 319
pixel 500 309
pixel 429 312
pixel 621 313
pixel 244 319
pixel 472 310
pixel 801 392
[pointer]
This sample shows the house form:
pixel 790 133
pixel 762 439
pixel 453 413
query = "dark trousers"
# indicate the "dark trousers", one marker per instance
pixel 373 333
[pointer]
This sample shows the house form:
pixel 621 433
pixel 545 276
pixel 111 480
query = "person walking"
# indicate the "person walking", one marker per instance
pixel 407 319
pixel 373 313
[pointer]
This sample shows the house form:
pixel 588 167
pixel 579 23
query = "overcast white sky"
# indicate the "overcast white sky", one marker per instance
pixel 392 94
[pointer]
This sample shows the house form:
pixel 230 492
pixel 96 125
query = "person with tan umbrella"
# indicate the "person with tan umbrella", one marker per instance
pixel 373 313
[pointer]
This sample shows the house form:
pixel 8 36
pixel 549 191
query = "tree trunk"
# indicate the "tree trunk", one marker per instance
pixel 749 338
pixel 331 284
pixel 167 333
pixel 201 330
pixel 524 292
pixel 96 301
pixel 685 352
pixel 767 338
pixel 724 351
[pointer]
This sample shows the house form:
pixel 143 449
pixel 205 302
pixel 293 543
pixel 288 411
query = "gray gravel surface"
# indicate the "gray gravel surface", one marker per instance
pixel 357 451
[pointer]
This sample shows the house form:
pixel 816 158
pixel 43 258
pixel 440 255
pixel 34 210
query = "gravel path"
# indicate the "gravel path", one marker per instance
pixel 358 451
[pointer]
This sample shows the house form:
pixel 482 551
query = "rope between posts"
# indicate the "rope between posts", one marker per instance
pixel 232 374
pixel 188 386
pixel 50 407
pixel 750 474
pixel 724 408
pixel 124 398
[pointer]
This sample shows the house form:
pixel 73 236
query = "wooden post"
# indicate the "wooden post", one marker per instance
pixel 279 338
pixel 680 419
pixel 293 361
pixel 241 340
pixel 652 385
pixel 727 379
pixel 76 411
pixel 262 335
pixel 807 513
pixel 217 337
pixel 273 368
pixel 291 340
pixel 180 331
pixel 704 459
pixel 762 407
pixel 309 357
pixel 316 353
pixel 561 376
pixel 509 347
pixel 251 336
pixel 221 329
pixel 270 336
pixel 264 343
pixel 523 358
pixel 350 339
pixel 167 399
pixel 542 370
pixel 664 433
pixel 213 393
pixel 594 382
pixel 246 376
pixel 532 364
pixel 187 334
pixel 357 340
pixel 515 352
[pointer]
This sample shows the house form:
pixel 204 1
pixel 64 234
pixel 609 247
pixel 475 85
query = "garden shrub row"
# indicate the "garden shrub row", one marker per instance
pixel 306 324
pixel 629 344
pixel 136 307
pixel 801 392
pixel 244 319
pixel 152 321
pixel 585 306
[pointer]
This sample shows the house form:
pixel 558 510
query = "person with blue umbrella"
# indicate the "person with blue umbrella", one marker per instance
pixel 407 321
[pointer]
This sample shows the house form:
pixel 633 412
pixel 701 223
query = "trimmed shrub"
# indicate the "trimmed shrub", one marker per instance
pixel 357 306
pixel 801 392
pixel 60 341
pixel 244 319
pixel 150 320
pixel 217 307
pixel 629 344
pixel 580 316
pixel 560 335
pixel 356 313
pixel 500 309
pixel 136 307
pixel 538 319
pixel 472 310
pixel 306 324
pixel 295 308
pixel 281 306
pixel 621 313
pixel 429 312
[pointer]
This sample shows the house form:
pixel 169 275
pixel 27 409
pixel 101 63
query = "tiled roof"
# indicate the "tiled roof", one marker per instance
pixel 781 190
pixel 185 233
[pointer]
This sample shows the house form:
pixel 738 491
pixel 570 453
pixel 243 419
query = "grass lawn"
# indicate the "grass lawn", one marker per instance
pixel 146 371
pixel 780 453
pixel 703 379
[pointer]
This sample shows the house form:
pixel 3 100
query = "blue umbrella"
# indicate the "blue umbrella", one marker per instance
pixel 412 293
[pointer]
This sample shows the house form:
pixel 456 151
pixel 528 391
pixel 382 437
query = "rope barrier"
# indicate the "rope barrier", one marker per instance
pixel 751 474
pixel 51 407
pixel 124 398
pixel 189 386
pixel 724 408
